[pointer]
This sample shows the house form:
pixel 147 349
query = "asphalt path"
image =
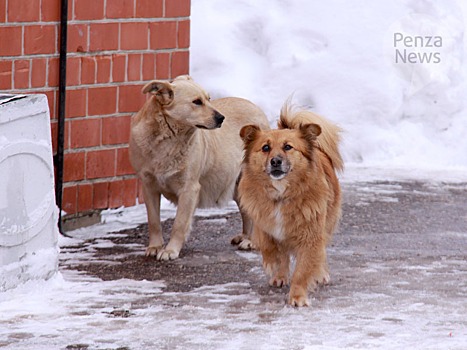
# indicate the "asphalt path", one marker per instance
pixel 398 257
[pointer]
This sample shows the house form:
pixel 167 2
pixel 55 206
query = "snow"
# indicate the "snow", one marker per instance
pixel 123 218
pixel 340 58
pixel 33 265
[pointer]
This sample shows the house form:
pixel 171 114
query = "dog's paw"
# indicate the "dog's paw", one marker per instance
pixel 167 254
pixel 242 242
pixel 153 251
pixel 278 281
pixel 323 278
pixel 298 300
pixel 237 239
pixel 246 244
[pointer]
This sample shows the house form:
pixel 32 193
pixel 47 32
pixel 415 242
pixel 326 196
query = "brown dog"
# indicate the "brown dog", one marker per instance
pixel 187 148
pixel 290 189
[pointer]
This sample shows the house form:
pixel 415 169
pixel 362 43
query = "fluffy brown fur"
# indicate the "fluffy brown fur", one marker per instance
pixel 290 189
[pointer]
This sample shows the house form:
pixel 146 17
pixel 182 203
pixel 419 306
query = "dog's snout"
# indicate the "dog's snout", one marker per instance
pixel 219 118
pixel 278 167
pixel 276 162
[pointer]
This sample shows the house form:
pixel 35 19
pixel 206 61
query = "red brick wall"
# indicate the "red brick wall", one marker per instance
pixel 114 47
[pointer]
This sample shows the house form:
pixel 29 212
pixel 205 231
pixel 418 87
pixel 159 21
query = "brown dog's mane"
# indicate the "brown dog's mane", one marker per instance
pixel 326 141
pixel 284 123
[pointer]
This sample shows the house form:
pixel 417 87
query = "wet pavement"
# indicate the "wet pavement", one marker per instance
pixel 398 269
pixel 397 262
pixel 395 224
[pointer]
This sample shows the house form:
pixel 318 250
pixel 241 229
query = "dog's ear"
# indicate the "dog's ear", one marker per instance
pixel 310 131
pixel 162 90
pixel 183 77
pixel 248 133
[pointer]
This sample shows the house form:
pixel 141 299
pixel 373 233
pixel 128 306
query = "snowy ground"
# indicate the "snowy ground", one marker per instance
pixel 399 282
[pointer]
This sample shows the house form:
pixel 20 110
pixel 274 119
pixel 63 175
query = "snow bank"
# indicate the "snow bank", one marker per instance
pixel 340 58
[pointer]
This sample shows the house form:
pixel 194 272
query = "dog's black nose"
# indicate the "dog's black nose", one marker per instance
pixel 219 118
pixel 276 162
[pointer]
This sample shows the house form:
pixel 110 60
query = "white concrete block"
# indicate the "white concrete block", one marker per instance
pixel 28 213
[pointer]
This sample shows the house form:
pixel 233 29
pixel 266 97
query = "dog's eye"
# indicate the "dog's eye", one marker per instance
pixel 198 102
pixel 287 147
pixel 266 148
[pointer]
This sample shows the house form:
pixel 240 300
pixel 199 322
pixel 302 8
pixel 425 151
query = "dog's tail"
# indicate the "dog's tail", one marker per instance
pixel 327 141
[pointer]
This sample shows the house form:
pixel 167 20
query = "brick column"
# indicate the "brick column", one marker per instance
pixel 114 47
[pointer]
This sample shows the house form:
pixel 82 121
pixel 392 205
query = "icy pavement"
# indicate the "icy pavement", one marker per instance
pixel 398 265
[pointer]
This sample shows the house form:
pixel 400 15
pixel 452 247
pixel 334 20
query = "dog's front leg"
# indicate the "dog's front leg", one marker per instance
pixel 309 269
pixel 276 258
pixel 152 199
pixel 187 202
pixel 243 240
